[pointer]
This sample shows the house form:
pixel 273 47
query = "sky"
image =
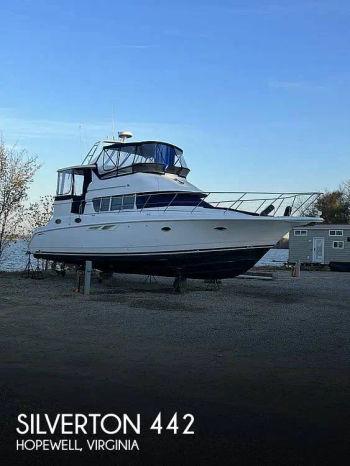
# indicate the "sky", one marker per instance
pixel 255 92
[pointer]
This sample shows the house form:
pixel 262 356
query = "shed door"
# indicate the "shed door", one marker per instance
pixel 318 250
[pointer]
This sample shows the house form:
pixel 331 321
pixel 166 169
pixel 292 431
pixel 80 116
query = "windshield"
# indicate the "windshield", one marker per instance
pixel 125 155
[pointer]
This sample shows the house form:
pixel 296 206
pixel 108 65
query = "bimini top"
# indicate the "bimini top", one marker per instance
pixel 122 158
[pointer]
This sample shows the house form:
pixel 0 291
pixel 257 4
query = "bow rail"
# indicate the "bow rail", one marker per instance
pixel 264 203
pixel 253 202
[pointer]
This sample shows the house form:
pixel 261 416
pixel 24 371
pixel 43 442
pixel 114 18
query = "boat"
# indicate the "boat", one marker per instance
pixel 129 208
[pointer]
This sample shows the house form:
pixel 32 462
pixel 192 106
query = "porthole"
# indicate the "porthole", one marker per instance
pixel 58 220
pixel 220 228
pixel 77 220
pixel 166 229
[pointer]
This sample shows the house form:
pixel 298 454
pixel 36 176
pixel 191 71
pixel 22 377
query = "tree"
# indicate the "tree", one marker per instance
pixel 17 170
pixel 39 213
pixel 334 206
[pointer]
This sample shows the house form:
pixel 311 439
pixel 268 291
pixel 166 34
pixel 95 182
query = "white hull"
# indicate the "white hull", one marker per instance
pixel 142 233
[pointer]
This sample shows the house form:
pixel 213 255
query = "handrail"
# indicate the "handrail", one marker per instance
pixel 248 201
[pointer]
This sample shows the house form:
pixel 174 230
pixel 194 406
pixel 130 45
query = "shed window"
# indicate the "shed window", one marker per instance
pixel 338 244
pixel 300 232
pixel 335 232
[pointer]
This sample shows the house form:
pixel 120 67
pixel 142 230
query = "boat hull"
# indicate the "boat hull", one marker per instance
pixel 213 247
pixel 211 264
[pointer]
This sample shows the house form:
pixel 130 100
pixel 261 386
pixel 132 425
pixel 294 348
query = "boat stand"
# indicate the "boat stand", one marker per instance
pixel 180 284
pixel 151 279
pixel 83 280
pixel 32 271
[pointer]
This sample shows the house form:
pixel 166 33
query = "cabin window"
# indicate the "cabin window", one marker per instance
pixel 300 232
pixel 96 203
pixel 128 202
pixel 335 232
pixel 338 244
pixel 105 201
pixel 116 203
pixel 171 200
pixel 78 184
pixel 64 183
pixel 106 204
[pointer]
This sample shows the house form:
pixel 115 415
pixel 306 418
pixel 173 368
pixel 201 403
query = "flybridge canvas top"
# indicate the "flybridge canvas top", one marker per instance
pixel 119 156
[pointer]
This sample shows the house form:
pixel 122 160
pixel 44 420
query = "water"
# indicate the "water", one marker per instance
pixel 15 258
pixel 275 257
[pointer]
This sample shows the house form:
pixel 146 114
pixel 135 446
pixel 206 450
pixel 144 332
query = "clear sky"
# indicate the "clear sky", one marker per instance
pixel 256 92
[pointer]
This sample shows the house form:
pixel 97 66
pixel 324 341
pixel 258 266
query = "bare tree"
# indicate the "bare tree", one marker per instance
pixel 38 213
pixel 17 170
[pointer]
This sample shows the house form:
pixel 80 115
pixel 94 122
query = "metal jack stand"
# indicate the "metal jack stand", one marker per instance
pixel 180 284
pixel 87 281
pixel 296 270
pixel 83 281
pixel 151 279
pixel 32 271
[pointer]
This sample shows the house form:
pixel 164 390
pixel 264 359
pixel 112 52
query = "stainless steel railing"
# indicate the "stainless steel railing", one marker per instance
pixel 254 202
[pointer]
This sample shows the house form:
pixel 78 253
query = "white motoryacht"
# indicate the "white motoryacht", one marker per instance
pixel 129 208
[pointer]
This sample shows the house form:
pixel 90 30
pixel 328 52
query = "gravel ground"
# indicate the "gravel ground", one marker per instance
pixel 263 365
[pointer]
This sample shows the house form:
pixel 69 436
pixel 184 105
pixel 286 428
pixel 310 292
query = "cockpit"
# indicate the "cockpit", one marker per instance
pixel 119 158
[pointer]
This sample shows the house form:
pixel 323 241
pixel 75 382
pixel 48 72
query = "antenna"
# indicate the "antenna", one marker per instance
pixel 80 138
pixel 124 135
pixel 113 123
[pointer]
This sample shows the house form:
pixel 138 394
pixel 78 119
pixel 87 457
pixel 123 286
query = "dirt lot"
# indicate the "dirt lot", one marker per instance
pixel 263 365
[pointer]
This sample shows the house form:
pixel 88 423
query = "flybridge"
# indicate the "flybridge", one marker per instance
pixel 119 158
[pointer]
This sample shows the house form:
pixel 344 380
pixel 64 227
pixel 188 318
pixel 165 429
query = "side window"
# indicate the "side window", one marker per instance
pixel 128 202
pixel 78 184
pixel 96 203
pixel 110 159
pixel 64 183
pixel 105 203
pixel 116 203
